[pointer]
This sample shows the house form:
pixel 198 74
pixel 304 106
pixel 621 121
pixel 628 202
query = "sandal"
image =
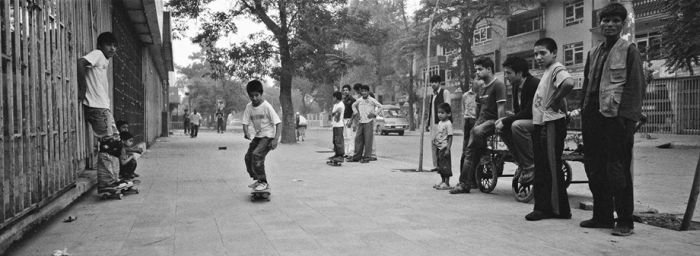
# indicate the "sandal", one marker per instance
pixel 443 186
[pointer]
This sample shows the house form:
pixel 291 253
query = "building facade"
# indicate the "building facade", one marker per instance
pixel 45 142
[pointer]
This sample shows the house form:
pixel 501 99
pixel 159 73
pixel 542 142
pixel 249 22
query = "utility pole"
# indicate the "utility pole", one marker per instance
pixel 425 85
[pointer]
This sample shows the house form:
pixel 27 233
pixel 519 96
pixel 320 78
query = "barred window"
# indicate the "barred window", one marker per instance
pixel 482 35
pixel 573 13
pixel 573 54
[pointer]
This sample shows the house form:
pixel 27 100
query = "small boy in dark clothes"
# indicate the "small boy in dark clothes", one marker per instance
pixel 127 160
pixel 443 142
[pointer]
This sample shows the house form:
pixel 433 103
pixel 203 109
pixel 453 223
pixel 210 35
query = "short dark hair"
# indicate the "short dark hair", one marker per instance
pixel 122 122
pixel 485 62
pixel 448 110
pixel 347 86
pixel 254 86
pixel 548 43
pixel 337 95
pixel 357 87
pixel 435 79
pixel 124 136
pixel 364 87
pixel 614 10
pixel 517 64
pixel 106 38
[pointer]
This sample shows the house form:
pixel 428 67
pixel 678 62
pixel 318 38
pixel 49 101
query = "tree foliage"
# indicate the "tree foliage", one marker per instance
pixel 455 21
pixel 288 22
pixel 682 35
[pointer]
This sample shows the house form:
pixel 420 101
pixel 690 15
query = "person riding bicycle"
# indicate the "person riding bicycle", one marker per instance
pixel 516 130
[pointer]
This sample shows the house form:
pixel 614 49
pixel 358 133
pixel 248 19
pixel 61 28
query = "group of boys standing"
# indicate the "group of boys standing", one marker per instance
pixel 613 89
pixel 352 119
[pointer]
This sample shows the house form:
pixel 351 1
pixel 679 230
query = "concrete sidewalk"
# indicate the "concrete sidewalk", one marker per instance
pixel 194 201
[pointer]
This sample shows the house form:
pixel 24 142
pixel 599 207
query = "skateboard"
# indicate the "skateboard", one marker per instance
pixel 133 189
pixel 110 193
pixel 260 194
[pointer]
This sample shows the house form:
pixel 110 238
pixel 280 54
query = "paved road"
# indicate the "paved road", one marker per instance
pixel 194 201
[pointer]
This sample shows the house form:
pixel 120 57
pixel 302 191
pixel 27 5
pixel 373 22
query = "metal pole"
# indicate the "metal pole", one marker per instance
pixel 692 200
pixel 425 85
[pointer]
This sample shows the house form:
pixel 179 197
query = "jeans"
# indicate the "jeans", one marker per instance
pixel 349 138
pixel 338 146
pixel 363 141
pixel 220 125
pixel 101 120
pixel 255 157
pixel 127 170
pixel 194 130
pixel 468 125
pixel 186 125
pixel 475 149
pixel 518 138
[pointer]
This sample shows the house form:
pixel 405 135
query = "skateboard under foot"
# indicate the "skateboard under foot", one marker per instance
pixel 110 193
pixel 133 189
pixel 260 195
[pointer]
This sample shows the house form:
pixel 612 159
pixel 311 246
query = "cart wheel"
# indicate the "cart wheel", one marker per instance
pixel 566 171
pixel 521 193
pixel 487 173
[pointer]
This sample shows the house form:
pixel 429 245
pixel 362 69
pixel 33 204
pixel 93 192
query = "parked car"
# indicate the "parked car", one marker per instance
pixel 391 119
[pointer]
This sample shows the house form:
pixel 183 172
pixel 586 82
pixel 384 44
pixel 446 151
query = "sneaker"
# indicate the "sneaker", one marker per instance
pixel 353 160
pixel 254 184
pixel 373 159
pixel 527 176
pixel 622 231
pixel 364 160
pixel 594 224
pixel 461 188
pixel 261 186
pixel 443 186
pixel 538 215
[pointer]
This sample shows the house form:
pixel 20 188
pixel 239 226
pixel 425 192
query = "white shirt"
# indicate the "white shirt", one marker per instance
pixel 365 107
pixel 445 99
pixel 444 128
pixel 97 91
pixel 195 119
pixel 545 92
pixel 263 119
pixel 338 108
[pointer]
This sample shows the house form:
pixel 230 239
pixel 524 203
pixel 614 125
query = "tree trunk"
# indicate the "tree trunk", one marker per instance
pixel 288 122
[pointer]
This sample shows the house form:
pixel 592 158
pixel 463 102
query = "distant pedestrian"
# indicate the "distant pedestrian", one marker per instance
pixel 440 95
pixel 301 124
pixel 219 115
pixel 442 142
pixel 93 92
pixel 338 124
pixel 195 122
pixel 549 118
pixel 349 133
pixel 186 122
pixel 265 121
pixel 366 110
pixel 614 88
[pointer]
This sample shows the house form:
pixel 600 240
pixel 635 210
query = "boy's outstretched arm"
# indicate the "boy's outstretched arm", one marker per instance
pixel 245 132
pixel 278 133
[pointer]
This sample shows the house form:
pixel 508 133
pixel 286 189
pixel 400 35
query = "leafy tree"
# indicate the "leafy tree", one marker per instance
pixel 682 35
pixel 283 18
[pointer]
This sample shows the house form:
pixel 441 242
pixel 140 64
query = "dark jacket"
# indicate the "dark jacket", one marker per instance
pixel 439 99
pixel 523 110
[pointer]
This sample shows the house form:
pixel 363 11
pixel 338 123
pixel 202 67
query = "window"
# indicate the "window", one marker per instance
pixel 649 45
pixel 573 13
pixel 573 54
pixel 482 35
pixel 520 26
